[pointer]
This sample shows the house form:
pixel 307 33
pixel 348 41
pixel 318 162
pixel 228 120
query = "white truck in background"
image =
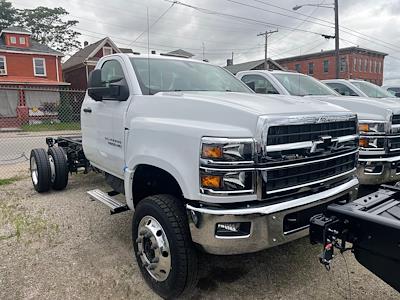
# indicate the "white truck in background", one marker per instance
pixel 379 119
pixel 204 163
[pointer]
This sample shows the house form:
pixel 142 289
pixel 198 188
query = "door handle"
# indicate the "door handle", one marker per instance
pixel 87 110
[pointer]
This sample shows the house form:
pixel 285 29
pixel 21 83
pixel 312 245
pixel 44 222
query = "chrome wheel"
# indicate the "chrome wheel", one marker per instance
pixel 52 169
pixel 153 248
pixel 34 171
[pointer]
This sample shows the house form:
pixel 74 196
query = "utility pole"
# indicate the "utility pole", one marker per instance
pixel 266 34
pixel 337 39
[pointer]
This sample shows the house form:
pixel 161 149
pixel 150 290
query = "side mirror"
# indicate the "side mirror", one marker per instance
pixel 115 89
pixel 397 94
pixel 251 85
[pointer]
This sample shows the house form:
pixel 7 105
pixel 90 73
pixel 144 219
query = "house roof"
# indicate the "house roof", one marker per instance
pixel 180 53
pixel 250 65
pixel 29 80
pixel 87 53
pixel 34 46
pixel 16 29
pixel 126 50
pixel 330 53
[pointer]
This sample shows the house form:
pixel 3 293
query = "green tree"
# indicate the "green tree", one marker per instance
pixel 48 27
pixel 8 14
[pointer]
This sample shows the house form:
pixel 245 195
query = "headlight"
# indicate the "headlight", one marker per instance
pixel 371 127
pixel 226 166
pixel 372 143
pixel 224 151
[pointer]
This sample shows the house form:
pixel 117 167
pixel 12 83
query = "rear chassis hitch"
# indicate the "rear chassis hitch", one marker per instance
pixel 371 224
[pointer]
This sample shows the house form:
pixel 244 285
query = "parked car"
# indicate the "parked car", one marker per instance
pixel 379 119
pixel 359 88
pixel 203 161
pixel 393 89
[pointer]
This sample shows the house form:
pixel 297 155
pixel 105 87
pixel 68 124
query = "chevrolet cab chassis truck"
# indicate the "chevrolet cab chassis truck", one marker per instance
pixel 205 163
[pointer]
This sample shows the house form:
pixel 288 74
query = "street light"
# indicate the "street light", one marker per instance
pixel 335 7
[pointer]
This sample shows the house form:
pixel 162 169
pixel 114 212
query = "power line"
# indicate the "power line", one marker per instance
pixel 213 12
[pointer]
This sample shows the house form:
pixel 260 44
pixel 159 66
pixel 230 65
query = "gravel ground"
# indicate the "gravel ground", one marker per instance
pixel 62 245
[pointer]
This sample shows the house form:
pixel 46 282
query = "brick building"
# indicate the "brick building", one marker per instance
pixel 26 65
pixel 355 63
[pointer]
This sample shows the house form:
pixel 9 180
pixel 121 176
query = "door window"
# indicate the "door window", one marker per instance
pixel 342 89
pixel 261 84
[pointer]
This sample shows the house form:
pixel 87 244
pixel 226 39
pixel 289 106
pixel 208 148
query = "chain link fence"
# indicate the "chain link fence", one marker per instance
pixel 27 116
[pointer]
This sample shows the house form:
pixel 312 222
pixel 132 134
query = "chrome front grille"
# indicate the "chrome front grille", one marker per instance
pixel 309 157
pixel 396 119
pixel 285 134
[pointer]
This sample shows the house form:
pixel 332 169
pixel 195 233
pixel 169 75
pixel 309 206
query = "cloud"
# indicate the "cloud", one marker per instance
pixel 218 37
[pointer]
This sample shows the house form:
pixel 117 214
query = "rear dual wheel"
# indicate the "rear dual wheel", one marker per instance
pixel 48 169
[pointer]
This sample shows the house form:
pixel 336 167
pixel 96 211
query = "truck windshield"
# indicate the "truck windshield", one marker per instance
pixel 301 85
pixel 372 90
pixel 180 75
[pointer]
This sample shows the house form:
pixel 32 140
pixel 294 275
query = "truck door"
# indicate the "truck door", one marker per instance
pixel 107 152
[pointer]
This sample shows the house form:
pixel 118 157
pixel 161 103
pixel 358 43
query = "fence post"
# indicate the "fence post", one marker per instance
pixel 22 109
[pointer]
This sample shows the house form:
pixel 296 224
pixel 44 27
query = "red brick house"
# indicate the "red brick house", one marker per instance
pixel 355 63
pixel 77 68
pixel 26 65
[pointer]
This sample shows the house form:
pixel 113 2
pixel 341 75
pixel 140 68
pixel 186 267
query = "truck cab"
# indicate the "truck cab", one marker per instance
pixel 359 88
pixel 379 124
pixel 205 163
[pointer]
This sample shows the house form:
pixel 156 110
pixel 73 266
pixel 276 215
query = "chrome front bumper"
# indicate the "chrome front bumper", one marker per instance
pixel 266 222
pixel 375 171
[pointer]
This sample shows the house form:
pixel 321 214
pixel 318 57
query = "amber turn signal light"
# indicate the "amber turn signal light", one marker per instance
pixel 363 143
pixel 211 181
pixel 210 151
pixel 363 127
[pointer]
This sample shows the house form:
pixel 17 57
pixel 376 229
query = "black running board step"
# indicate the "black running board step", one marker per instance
pixel 114 205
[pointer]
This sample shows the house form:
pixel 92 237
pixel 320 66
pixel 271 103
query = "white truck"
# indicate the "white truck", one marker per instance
pixel 379 119
pixel 203 161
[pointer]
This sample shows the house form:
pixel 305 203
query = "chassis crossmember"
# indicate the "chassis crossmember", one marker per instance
pixel 372 225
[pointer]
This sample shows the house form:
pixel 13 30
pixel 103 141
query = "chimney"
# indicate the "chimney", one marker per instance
pixel 85 43
pixel 229 62
pixel 153 51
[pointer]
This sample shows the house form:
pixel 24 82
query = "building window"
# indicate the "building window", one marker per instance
pixel 13 40
pixel 370 66
pixel 359 65
pixel 3 65
pixel 343 64
pixel 310 68
pixel 22 40
pixel 375 66
pixel 39 67
pixel 380 67
pixel 355 64
pixel 107 51
pixel 326 66
pixel 365 65
pixel 298 68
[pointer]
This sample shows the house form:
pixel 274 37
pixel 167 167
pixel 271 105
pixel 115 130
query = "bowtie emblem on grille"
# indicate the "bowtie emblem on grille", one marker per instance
pixel 325 142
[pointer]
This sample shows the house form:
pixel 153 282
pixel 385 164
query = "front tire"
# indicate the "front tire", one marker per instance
pixel 163 247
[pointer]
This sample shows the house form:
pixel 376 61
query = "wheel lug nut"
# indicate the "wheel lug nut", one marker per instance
pixel 148 235
pixel 142 232
pixel 154 246
pixel 155 260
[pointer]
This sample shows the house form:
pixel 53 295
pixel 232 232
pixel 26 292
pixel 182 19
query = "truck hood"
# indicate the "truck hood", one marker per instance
pixel 266 104
pixel 366 108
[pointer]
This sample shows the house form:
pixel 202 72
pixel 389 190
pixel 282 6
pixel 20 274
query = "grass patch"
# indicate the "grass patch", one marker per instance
pixel 51 127
pixel 8 180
